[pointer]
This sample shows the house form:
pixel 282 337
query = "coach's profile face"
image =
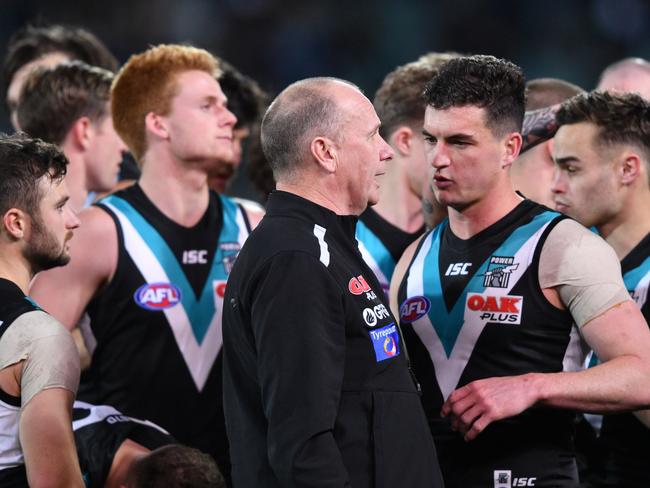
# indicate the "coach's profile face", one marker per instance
pixel 361 152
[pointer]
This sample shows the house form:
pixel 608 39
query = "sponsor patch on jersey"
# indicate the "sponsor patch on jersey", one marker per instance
pixel 498 271
pixel 372 316
pixel 358 285
pixel 414 308
pixel 157 296
pixel 502 309
pixel 385 342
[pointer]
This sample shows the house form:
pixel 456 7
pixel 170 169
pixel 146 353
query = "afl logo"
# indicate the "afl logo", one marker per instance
pixel 414 308
pixel 389 346
pixel 157 296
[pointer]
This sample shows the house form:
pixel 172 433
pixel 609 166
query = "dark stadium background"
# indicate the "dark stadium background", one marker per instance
pixel 279 41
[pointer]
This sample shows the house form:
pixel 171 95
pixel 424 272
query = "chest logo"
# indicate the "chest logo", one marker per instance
pixel 456 269
pixel 498 271
pixel 157 296
pixel 195 256
pixel 414 308
pixel 503 309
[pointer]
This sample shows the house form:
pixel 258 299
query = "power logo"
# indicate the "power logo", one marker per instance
pixel 503 309
pixel 358 285
pixel 157 296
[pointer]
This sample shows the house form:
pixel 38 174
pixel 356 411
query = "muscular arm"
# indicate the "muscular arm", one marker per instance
pixel 66 291
pixel 47 440
pixel 299 331
pixel 620 337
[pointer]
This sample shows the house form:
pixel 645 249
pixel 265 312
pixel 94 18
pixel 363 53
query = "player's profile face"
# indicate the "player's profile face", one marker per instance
pixel 199 124
pixel 466 157
pixel 51 227
pixel 585 178
pixel 104 155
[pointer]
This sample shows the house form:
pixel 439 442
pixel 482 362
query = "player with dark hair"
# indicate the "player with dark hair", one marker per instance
pixel 151 261
pixel 490 296
pixel 387 228
pixel 68 105
pixel 175 466
pixel 246 101
pixel 532 172
pixel 602 152
pixel 39 365
pixel 35 46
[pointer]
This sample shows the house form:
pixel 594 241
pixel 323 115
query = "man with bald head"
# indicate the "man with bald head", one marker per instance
pixel 629 75
pixel 317 387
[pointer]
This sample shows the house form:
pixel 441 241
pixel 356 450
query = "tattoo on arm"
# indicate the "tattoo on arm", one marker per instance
pixel 539 126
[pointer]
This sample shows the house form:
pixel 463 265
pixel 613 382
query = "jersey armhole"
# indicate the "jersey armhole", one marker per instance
pixel 536 261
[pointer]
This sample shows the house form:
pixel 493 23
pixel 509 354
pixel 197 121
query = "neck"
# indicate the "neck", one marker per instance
pixel 14 268
pixel 320 194
pixel 483 213
pixel 629 226
pixel 397 202
pixel 177 190
pixel 76 178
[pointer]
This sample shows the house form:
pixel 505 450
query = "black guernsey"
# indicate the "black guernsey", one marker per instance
pixel 100 430
pixel 317 389
pixel 473 309
pixel 13 304
pixel 155 331
pixel 625 440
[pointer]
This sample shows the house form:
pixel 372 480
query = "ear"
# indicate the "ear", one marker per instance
pixel 325 153
pixel 81 133
pixel 630 167
pixel 402 140
pixel 15 223
pixel 156 124
pixel 511 146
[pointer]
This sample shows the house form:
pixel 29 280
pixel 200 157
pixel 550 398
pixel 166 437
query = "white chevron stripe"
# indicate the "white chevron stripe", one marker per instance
pixel 198 357
pixel 449 370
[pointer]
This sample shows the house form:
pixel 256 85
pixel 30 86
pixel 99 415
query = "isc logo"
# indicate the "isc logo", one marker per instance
pixel 504 309
pixel 195 256
pixel 414 308
pixel 456 269
pixel 157 296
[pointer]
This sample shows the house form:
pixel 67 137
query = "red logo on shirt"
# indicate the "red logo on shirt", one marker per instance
pixel 358 285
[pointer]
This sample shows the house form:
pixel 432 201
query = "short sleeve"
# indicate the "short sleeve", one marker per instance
pixel 50 355
pixel 584 269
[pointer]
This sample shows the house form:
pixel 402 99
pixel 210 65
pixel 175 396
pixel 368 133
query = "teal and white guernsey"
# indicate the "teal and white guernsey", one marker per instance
pixel 473 309
pixel 382 244
pixel 155 329
pixel 625 440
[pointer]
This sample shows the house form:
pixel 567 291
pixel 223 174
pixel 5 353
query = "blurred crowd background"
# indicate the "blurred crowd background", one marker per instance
pixel 279 41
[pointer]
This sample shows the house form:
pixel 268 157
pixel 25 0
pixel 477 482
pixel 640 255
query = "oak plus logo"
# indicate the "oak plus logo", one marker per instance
pixel 502 309
pixel 498 271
